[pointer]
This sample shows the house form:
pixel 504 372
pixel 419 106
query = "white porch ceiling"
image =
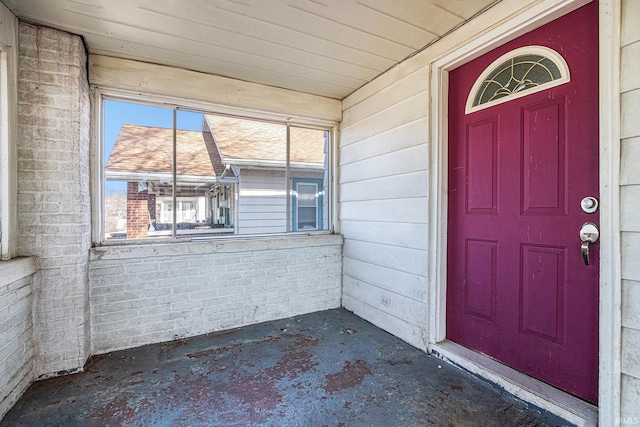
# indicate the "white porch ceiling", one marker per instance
pixel 323 47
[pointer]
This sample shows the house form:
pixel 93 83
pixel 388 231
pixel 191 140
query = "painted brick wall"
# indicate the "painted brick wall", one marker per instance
pixel 16 330
pixel 629 218
pixel 154 293
pixel 53 191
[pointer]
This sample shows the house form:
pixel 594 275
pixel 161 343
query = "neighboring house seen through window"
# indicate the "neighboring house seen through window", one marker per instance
pixel 170 172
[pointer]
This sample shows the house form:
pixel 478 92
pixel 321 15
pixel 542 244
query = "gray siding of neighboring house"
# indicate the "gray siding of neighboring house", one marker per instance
pixel 261 202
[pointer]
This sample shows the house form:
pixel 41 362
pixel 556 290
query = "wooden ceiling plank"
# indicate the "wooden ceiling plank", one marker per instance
pixel 322 28
pixel 369 21
pixel 438 20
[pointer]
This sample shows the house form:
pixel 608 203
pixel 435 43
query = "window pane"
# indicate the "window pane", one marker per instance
pixel 310 176
pixel 307 219
pixel 307 195
pixel 204 191
pixel 230 174
pixel 138 153
pixel 250 163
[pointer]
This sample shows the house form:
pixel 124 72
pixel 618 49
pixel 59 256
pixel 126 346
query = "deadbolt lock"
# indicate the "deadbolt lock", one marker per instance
pixel 589 205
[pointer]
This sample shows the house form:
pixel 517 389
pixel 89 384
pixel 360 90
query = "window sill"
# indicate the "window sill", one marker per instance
pixel 137 249
pixel 16 269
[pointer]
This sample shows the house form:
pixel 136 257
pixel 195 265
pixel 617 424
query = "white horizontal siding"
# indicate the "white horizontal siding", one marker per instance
pixel 630 29
pixel 630 203
pixel 629 170
pixel 630 407
pixel 409 210
pixel 397 162
pixel 630 107
pixel 406 260
pixel 630 76
pixel 388 96
pixel 406 284
pixel 630 307
pixel 406 235
pixel 387 187
pixel 384 207
pixel 413 108
pixel 396 305
pixel 407 135
pixel 414 335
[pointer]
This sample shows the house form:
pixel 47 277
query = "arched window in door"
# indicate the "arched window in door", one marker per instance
pixel 518 73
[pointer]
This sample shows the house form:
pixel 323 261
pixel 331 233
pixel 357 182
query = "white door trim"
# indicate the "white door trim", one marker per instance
pixel 609 105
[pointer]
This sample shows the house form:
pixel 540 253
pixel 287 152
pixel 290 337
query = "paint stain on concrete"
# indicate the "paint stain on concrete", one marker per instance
pixel 350 376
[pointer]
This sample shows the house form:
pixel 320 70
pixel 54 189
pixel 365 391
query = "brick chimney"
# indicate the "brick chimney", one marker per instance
pixel 140 205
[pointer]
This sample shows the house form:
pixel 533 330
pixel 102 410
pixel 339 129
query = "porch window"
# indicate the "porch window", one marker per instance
pixel 170 172
pixel 518 73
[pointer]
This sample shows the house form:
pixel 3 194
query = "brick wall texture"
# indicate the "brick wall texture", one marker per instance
pixel 53 191
pixel 138 211
pixel 16 346
pixel 159 293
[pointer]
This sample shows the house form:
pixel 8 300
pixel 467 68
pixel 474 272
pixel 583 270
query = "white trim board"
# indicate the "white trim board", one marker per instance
pixel 610 284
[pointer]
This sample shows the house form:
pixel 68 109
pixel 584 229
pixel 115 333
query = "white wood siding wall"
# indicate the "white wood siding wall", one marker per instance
pixel 384 207
pixel 630 217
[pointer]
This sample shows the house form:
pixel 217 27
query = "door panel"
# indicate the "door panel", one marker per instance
pixel 518 289
pixel 543 158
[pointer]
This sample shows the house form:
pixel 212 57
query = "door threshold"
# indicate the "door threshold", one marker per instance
pixel 523 387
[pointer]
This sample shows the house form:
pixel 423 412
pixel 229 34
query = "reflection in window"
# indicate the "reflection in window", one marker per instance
pixel 208 175
pixel 307 204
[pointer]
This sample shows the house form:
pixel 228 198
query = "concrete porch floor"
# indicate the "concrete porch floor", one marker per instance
pixel 329 368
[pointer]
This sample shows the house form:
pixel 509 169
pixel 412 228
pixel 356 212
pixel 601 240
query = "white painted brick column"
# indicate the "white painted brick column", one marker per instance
pixel 53 192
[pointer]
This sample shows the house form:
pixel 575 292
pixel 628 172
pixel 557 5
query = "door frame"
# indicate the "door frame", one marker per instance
pixel 610 248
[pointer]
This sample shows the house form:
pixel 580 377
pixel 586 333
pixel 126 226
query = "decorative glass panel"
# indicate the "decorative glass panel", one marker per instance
pixel 516 75
pixel 522 71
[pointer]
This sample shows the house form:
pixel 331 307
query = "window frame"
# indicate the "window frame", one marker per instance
pixel 100 94
pixel 5 166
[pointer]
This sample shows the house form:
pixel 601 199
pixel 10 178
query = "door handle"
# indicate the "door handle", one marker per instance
pixel 589 233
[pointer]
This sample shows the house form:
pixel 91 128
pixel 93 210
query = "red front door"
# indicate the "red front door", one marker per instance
pixel 518 289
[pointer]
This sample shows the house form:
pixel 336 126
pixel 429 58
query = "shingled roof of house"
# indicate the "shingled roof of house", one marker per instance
pixel 149 150
pixel 241 139
pixel 145 149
